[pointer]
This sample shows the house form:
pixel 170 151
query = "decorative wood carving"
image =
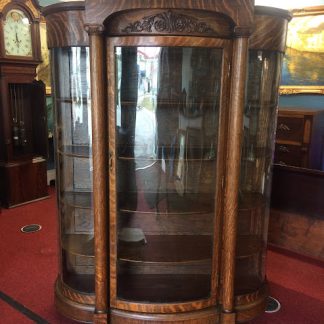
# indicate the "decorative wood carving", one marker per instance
pixel 94 29
pixel 169 22
pixel 74 295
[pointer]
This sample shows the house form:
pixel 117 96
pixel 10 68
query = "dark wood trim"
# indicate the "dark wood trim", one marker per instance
pixel 111 126
pixel 234 138
pixel 239 11
pixel 65 27
pixel 100 172
pixel 220 173
pixel 269 29
pixel 271 11
pixel 63 6
pixel 208 316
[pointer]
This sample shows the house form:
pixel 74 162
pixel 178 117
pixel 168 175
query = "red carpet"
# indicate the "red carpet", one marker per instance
pixel 29 267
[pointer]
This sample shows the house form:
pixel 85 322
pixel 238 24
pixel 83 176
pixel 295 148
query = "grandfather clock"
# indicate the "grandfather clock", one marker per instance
pixel 23 145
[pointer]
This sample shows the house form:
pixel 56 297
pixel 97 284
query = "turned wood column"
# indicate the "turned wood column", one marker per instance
pixel 100 172
pixel 232 176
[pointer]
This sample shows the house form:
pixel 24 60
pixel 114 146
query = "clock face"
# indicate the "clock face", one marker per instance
pixel 17 34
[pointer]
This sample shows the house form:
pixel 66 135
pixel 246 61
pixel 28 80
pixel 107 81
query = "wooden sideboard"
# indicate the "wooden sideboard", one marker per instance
pixel 300 138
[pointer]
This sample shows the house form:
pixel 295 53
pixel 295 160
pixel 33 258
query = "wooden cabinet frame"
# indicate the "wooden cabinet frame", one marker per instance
pixel 211 24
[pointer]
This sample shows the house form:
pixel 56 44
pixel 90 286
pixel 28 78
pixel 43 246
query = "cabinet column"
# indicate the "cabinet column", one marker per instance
pixel 99 143
pixel 232 176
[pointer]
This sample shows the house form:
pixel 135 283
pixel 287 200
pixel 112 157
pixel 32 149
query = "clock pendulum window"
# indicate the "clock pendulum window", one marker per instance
pixel 23 122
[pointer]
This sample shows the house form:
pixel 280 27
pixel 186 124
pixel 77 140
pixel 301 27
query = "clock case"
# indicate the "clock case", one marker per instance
pixel 93 254
pixel 23 121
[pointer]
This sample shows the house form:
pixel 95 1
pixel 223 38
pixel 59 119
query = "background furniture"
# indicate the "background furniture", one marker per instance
pixel 297 210
pixel 300 138
pixel 23 140
pixel 162 218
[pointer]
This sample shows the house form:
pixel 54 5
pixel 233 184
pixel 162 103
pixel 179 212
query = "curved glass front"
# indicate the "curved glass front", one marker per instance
pixel 71 81
pixel 167 115
pixel 260 116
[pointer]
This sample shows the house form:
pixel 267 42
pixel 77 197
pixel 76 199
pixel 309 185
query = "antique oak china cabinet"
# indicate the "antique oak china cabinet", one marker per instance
pixel 23 125
pixel 165 115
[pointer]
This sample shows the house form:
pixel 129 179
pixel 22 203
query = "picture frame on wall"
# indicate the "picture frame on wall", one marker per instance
pixel 303 66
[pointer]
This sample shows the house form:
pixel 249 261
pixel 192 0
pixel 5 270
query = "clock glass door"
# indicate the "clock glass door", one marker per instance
pixel 166 133
pixel 17 34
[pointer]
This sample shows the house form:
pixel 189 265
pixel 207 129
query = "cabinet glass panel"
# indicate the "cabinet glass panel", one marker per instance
pixel 258 146
pixel 74 162
pixel 167 114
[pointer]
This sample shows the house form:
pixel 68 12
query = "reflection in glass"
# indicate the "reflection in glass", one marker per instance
pixel 258 146
pixel 71 76
pixel 167 110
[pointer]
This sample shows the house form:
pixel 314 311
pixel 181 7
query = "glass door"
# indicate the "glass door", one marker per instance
pixel 164 156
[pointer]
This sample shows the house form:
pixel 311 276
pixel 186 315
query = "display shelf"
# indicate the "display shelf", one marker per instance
pixel 169 203
pixel 247 282
pixel 248 245
pixel 75 100
pixel 163 288
pixel 78 244
pixel 83 151
pixel 77 199
pixel 167 249
pixel 168 224
pixel 80 282
pixel 152 159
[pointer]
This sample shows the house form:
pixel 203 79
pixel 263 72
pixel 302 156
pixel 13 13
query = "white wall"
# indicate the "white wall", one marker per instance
pixel 289 4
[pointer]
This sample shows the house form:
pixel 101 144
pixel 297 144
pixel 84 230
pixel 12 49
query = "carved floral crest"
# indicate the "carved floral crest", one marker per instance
pixel 169 22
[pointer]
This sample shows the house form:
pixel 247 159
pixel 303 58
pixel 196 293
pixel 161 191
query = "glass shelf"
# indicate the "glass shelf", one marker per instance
pixel 84 100
pixel 150 160
pixel 82 151
pixel 169 203
pixel 77 199
pixel 167 249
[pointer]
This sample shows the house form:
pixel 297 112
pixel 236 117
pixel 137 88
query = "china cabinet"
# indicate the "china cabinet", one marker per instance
pixel 163 214
pixel 23 128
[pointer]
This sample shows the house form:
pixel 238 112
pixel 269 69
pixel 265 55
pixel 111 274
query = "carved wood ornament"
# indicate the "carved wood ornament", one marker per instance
pixel 169 22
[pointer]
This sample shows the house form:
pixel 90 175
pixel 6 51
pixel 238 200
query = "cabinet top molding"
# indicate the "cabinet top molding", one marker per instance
pixel 239 11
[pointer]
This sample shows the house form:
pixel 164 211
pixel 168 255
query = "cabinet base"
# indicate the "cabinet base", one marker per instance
pixel 72 304
pixel 81 307
pixel 22 182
